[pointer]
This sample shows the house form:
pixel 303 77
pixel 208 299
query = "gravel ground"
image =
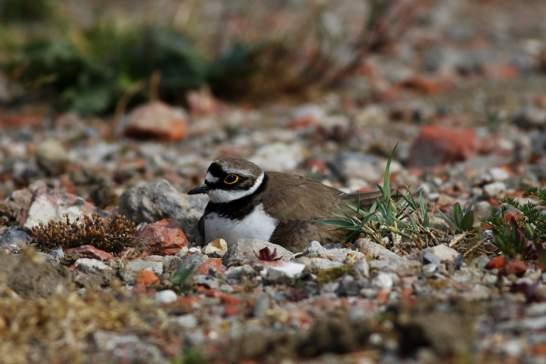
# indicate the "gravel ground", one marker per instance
pixel 463 98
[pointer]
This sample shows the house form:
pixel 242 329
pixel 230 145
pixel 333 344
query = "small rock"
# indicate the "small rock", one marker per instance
pixel 443 252
pixel 165 296
pixel 516 267
pixel 152 201
pixel 347 256
pixel 217 247
pixel 56 205
pixel 362 268
pixel 185 321
pixel 316 265
pixel 146 278
pixel 279 270
pixel 92 272
pixel 52 157
pixel 239 272
pixel 384 281
pixel 531 117
pixel 12 239
pixel 89 265
pixel 348 286
pixel 279 156
pixel 245 251
pixel 498 174
pixel 156 120
pixel 498 262
pixel 494 189
pixel 127 348
pixel 211 265
pixel 133 267
pixel 439 145
pixel 162 237
pixel 89 251
pixel 429 270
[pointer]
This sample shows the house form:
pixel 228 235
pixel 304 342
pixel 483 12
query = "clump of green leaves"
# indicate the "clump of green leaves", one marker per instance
pixel 181 279
pixel 92 70
pixel 112 233
pixel 393 215
pixel 459 219
pixel 520 229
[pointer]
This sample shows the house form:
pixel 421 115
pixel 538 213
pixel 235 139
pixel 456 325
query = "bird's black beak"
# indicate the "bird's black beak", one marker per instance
pixel 197 190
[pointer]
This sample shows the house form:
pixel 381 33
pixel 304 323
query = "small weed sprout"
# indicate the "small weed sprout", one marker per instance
pixel 460 220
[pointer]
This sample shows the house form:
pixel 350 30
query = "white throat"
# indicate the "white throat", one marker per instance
pixel 223 196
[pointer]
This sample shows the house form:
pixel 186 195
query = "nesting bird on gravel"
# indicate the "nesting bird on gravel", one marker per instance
pixel 246 202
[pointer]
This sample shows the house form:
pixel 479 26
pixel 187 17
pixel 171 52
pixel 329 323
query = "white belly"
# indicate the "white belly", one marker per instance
pixel 256 225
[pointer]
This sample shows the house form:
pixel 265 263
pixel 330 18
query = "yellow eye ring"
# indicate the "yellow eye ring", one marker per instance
pixel 231 179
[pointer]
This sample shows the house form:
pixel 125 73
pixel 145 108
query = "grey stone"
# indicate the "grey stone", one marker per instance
pixel 244 251
pixel 319 264
pixel 52 157
pixel 348 256
pixel 13 239
pixel 531 117
pixel 152 201
pixel 92 272
pixel 239 272
pixel 128 348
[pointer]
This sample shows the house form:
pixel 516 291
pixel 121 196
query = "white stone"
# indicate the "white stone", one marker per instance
pixel 498 174
pixel 217 247
pixel 279 156
pixel 283 269
pixel 165 296
pixel 445 253
pixel 494 189
pixel 89 265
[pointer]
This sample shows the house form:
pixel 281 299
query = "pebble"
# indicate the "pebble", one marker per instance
pixel 12 239
pixel 187 322
pixel 494 189
pixel 52 157
pixel 53 205
pixel 132 268
pixel 279 156
pixel 165 296
pixel 276 272
pixel 218 247
pixel 245 251
pixel 155 200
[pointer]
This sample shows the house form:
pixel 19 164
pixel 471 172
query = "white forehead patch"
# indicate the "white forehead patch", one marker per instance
pixel 210 178
pixel 240 172
pixel 223 196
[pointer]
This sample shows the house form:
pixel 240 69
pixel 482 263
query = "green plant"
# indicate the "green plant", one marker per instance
pixel 181 279
pixel 459 219
pixel 520 229
pixel 93 69
pixel 393 214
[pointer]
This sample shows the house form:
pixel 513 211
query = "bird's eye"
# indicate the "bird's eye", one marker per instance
pixel 231 179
